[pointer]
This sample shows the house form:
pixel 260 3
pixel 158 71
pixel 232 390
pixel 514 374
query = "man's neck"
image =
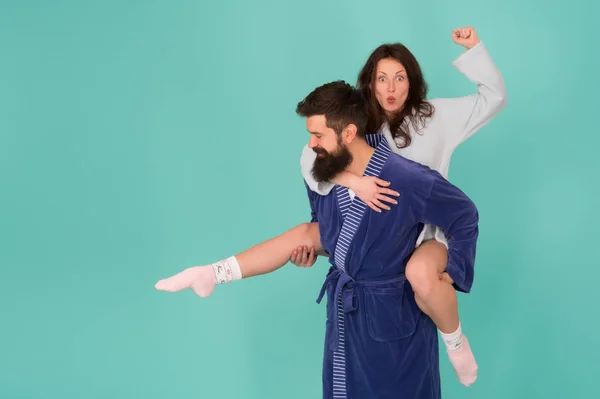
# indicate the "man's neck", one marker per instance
pixel 361 155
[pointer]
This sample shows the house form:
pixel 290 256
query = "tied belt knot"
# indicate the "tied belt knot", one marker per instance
pixel 344 287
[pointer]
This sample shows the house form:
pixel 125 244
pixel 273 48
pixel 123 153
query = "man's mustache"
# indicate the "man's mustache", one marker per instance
pixel 319 150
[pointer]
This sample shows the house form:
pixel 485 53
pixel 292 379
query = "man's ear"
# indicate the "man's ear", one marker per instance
pixel 349 133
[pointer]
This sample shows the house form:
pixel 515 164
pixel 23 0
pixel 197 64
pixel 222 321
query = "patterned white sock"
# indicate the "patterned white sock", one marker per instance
pixel 202 279
pixel 453 340
pixel 464 363
pixel 227 270
pixel 460 356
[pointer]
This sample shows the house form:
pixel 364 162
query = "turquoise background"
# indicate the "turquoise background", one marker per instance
pixel 139 138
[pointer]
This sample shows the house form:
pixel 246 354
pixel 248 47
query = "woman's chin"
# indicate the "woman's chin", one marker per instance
pixel 390 110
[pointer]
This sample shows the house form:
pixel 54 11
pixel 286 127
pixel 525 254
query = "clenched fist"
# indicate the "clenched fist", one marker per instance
pixel 466 37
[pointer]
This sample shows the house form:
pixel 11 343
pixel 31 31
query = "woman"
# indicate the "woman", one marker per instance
pixel 424 131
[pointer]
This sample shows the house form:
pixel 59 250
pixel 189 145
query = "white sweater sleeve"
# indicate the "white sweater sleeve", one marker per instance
pixel 306 163
pixel 470 113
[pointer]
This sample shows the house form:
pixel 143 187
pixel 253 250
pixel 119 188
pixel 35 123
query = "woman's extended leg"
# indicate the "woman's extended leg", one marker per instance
pixel 265 257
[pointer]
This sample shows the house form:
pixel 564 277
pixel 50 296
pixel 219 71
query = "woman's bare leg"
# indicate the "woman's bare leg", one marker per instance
pixel 272 254
pixel 263 258
pixel 437 298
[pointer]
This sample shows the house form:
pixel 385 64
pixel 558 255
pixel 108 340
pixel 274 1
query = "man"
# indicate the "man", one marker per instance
pixel 378 342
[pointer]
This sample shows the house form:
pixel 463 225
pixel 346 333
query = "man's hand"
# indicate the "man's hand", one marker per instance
pixel 466 37
pixel 446 277
pixel 303 256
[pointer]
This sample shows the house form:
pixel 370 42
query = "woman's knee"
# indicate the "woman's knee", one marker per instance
pixel 420 277
pixel 425 266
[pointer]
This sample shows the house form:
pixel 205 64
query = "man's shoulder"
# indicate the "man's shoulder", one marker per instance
pixel 408 175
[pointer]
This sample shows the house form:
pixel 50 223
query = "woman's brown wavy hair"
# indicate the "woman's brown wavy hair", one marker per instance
pixel 415 110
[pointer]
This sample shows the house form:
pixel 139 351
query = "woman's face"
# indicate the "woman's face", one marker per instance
pixel 391 85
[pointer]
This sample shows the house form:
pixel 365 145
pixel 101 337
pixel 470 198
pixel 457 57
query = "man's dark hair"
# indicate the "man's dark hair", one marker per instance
pixel 341 104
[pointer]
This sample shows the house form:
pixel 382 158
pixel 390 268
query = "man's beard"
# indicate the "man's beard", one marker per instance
pixel 328 165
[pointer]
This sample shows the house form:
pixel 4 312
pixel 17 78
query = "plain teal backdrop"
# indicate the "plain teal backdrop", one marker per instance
pixel 139 138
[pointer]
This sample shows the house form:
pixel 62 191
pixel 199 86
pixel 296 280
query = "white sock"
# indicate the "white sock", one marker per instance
pixel 227 270
pixel 453 340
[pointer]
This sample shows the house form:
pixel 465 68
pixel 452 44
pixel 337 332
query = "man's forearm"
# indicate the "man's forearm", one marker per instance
pixel 450 209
